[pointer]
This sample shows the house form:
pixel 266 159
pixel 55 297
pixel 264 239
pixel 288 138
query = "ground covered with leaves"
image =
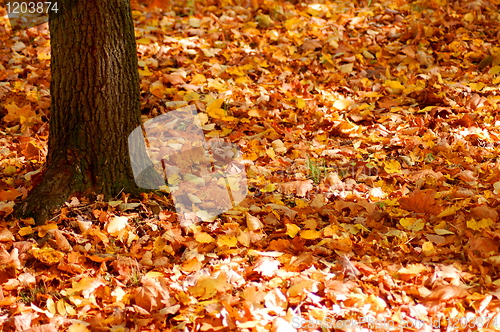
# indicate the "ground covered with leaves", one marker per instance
pixel 369 133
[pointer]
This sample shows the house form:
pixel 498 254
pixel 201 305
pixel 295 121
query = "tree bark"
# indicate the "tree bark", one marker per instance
pixel 95 104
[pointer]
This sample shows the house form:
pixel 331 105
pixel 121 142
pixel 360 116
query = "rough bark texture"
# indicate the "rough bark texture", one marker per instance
pixel 95 104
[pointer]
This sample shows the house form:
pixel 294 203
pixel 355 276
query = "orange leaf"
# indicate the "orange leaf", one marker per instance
pixel 9 194
pixel 421 201
pixel 16 113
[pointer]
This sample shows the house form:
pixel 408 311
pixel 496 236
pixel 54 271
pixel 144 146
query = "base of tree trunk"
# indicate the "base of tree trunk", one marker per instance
pixel 55 188
pixel 57 185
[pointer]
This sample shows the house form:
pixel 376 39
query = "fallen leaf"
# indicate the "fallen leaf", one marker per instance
pixel 421 201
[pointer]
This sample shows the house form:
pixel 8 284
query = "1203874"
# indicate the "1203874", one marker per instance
pixel 30 7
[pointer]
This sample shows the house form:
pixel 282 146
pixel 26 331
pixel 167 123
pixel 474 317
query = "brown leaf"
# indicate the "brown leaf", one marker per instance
pixel 6 235
pixel 484 212
pixel 446 293
pixel 422 174
pixel 483 245
pixel 172 78
pixel 151 294
pixel 421 201
pixel 298 187
pixel 466 121
pixel 11 259
pixel 61 241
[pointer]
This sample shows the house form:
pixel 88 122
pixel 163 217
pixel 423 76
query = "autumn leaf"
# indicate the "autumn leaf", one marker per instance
pixel 19 114
pixel 47 256
pixel 208 287
pixel 421 201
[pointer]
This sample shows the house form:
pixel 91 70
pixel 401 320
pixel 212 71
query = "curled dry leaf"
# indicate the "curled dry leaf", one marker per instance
pixel 61 241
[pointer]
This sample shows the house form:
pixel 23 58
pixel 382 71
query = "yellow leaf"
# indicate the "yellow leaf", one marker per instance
pixel 494 70
pixel 346 69
pixel 25 231
pixel 194 199
pixel 144 41
pixel 198 79
pixel 239 70
pixel 194 22
pixel 477 225
pixel 51 306
pixel 327 60
pixel 310 234
pixel 450 210
pixel 394 86
pixel 469 17
pixel 413 269
pixel 269 188
pixel 48 256
pixel 226 131
pixel 428 247
pixel 215 110
pixel 270 153
pixel 264 21
pixel 61 307
pixel 70 310
pixel 145 72
pixel 412 224
pixel 77 327
pixel 293 23
pixel 477 86
pixel 216 84
pixel 207 288
pixel 292 230
pixel 227 240
pixel 372 94
pixel 392 166
pixel 42 230
pixel 368 55
pixel 301 103
pixel 157 89
pixel 300 203
pixel 203 237
pixel 43 55
pixel 442 231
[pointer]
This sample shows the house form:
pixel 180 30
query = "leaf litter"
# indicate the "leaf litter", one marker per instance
pixel 369 131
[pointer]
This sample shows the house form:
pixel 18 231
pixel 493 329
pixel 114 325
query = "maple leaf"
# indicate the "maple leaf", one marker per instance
pixel 421 201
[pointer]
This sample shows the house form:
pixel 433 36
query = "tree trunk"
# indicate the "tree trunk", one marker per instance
pixel 95 104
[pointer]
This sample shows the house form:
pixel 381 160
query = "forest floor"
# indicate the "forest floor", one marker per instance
pixel 369 133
